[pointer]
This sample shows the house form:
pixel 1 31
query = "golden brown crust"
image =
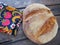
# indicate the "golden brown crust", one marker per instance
pixel 47 27
pixel 37 11
pixel 45 30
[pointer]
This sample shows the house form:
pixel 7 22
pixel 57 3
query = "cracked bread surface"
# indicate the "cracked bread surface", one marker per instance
pixel 38 23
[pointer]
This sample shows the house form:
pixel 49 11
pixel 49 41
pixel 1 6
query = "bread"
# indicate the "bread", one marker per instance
pixel 39 23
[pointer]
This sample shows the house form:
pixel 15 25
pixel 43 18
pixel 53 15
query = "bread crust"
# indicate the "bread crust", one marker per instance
pixel 37 11
pixel 48 25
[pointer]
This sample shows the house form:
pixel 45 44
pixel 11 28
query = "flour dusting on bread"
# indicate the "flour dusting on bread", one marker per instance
pixel 37 17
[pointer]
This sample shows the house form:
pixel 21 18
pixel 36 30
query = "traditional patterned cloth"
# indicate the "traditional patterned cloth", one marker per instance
pixel 10 19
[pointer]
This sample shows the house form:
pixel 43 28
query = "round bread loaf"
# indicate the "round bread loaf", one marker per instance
pixel 39 23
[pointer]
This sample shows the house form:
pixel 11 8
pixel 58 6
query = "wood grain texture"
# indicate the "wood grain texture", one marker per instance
pixel 55 41
pixel 21 39
pixel 58 20
pixel 23 3
pixel 55 9
pixel 46 2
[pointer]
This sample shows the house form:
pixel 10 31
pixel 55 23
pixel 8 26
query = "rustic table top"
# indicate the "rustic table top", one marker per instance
pixel 21 39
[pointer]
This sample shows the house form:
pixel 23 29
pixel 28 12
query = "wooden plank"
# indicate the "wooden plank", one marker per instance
pixel 55 41
pixel 46 2
pixel 16 3
pixel 4 38
pixel 55 9
pixel 58 20
pixel 25 42
pixel 23 3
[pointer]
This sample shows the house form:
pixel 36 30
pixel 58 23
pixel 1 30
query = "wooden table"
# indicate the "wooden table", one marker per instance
pixel 21 39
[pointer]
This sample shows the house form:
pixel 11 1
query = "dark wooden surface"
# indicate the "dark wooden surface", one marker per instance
pixel 21 3
pixel 21 39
